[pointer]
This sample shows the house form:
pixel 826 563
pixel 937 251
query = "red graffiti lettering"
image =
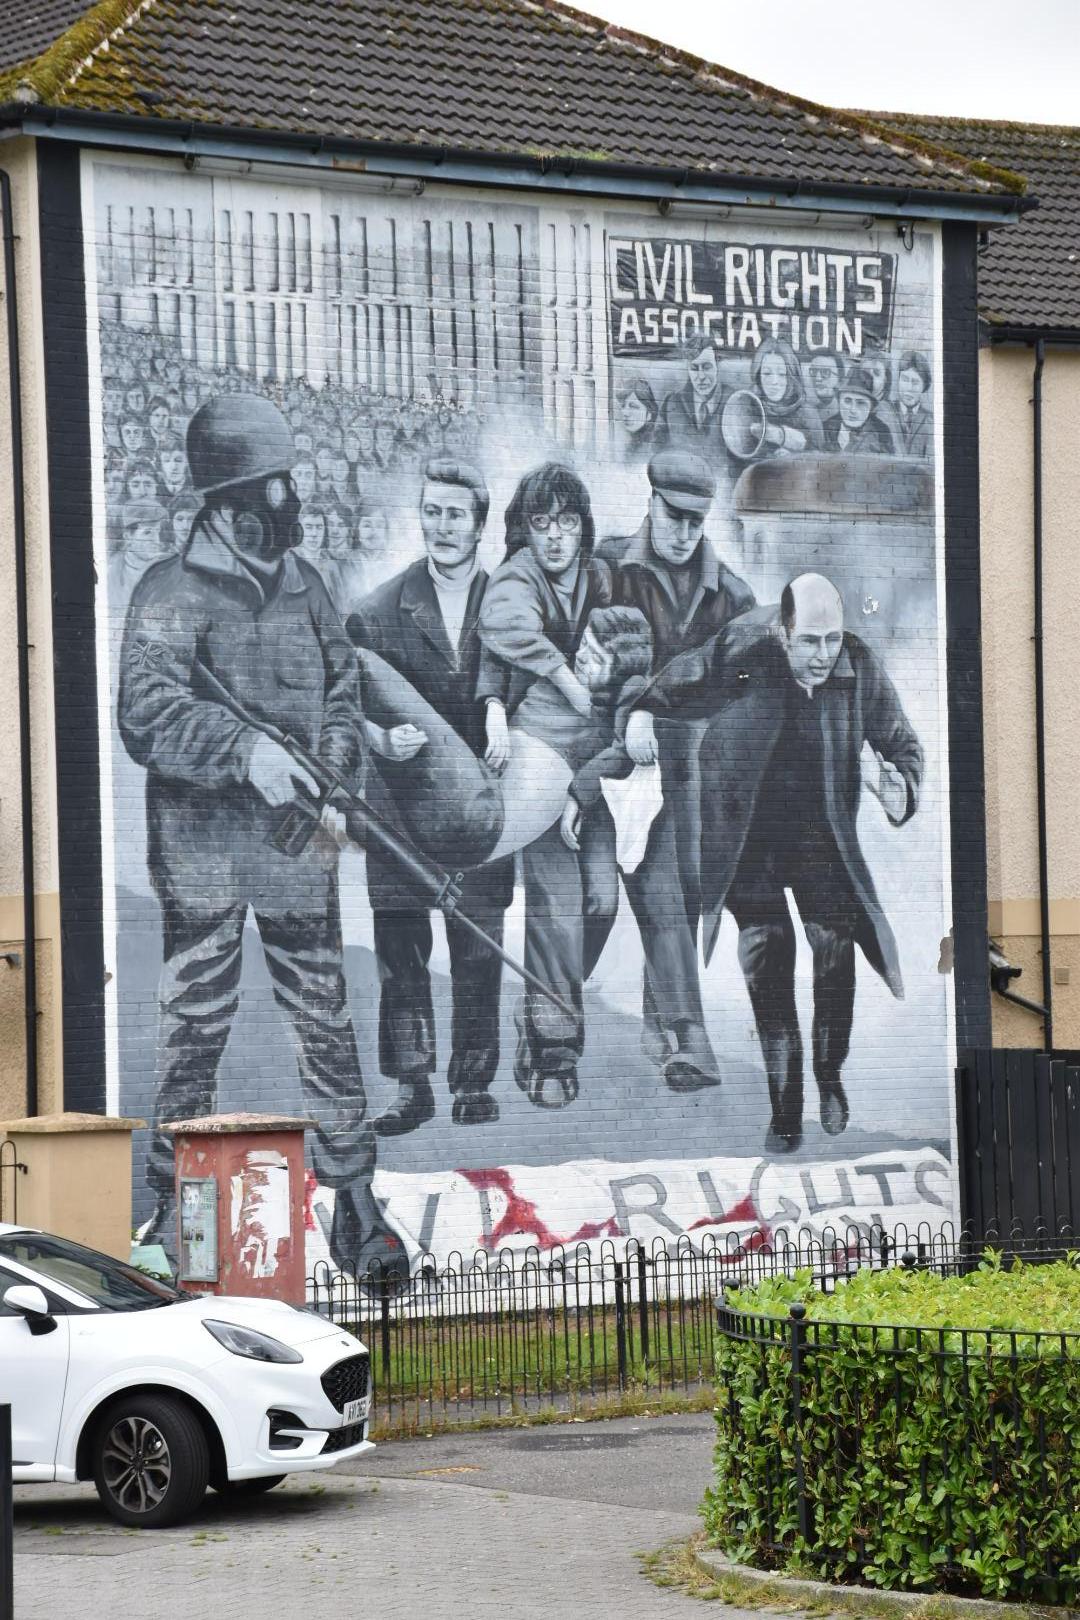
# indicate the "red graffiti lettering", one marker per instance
pixel 519 1216
pixel 595 1229
pixel 744 1210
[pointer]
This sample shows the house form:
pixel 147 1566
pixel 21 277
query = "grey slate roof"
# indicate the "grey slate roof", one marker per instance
pixel 482 75
pixel 31 26
pixel 1029 275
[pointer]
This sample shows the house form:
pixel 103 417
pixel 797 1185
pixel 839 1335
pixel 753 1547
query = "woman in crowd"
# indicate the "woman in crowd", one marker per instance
pixel 637 413
pixel 792 421
pixel 345 573
pixel 878 368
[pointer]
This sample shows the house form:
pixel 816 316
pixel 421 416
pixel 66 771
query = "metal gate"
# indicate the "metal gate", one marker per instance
pixel 1018 1123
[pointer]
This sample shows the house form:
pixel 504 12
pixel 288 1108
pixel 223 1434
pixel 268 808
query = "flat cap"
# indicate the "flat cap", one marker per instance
pixel 859 380
pixel 684 480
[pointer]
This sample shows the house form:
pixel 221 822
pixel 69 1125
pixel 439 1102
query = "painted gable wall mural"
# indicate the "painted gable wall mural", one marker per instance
pixel 521 629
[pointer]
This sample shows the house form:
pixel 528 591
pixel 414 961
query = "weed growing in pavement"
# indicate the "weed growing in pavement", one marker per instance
pixel 676 1566
pixel 635 1401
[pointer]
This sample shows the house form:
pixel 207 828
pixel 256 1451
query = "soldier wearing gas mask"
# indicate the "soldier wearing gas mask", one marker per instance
pixel 239 602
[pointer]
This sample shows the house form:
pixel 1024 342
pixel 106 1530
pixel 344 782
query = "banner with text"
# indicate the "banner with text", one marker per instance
pixel 662 292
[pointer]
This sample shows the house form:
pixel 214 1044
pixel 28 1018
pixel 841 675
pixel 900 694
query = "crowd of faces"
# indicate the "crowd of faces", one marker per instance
pixel 852 390
pixel 358 457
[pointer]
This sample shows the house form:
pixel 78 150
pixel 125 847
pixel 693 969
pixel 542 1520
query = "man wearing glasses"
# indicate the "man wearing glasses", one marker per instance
pixel 825 372
pixel 238 601
pixel 673 575
pixel 532 621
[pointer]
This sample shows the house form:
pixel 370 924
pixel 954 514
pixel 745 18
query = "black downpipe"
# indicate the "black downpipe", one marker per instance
pixel 1040 711
pixel 22 620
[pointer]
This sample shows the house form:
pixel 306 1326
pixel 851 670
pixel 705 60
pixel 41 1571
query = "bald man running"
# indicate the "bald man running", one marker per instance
pixel 793 699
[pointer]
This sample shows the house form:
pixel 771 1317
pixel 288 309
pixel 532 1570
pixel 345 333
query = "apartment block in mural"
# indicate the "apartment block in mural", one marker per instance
pixel 521 629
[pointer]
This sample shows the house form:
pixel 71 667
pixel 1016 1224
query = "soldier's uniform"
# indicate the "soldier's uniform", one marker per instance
pixel 270 634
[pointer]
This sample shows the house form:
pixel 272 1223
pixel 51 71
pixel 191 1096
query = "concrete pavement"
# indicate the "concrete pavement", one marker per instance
pixel 517 1524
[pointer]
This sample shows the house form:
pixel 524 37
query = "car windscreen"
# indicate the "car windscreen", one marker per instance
pixel 107 1283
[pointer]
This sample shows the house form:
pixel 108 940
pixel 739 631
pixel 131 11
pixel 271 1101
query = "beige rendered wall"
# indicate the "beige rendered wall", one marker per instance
pixel 76 1179
pixel 1006 390
pixel 19 158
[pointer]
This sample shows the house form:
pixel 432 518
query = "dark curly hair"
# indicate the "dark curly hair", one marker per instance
pixel 625 634
pixel 556 482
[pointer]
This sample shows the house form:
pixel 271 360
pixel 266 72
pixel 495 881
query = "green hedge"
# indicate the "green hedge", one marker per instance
pixel 924 1467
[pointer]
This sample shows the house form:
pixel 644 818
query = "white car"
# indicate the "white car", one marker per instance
pixel 154 1394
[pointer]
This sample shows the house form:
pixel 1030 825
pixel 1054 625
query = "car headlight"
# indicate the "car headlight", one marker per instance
pixel 245 1341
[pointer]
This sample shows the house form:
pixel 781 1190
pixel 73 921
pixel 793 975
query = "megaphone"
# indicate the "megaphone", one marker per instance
pixel 743 424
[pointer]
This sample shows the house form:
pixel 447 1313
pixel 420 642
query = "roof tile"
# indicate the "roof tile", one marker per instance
pixel 1029 275
pixel 482 75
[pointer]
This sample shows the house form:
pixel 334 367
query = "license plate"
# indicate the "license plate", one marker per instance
pixel 356 1411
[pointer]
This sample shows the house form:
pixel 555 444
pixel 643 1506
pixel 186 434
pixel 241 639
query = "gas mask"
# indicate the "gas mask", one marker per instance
pixel 266 517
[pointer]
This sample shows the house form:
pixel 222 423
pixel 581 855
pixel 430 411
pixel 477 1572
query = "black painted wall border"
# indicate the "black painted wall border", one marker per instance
pixel 73 626
pixel 963 608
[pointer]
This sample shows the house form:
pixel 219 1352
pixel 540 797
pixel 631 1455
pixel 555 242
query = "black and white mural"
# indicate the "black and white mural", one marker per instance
pixel 522 655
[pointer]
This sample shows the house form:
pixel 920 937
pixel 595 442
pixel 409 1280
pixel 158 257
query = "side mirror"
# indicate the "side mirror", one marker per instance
pixel 31 1302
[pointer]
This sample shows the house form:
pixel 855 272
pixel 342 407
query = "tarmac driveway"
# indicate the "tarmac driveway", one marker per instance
pixel 520 1523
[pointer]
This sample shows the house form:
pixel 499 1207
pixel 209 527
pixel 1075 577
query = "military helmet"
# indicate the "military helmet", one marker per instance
pixel 237 437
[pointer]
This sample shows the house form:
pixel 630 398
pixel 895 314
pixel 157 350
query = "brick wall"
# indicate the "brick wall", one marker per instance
pixel 820 827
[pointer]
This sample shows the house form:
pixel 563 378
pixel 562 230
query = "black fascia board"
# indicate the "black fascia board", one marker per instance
pixel 554 171
pixel 1002 332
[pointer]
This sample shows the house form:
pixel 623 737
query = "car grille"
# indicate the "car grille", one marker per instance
pixel 346 1381
pixel 342 1439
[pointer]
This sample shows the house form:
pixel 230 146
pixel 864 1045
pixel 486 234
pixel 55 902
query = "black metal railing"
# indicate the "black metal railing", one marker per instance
pixel 838 1395
pixel 497 1334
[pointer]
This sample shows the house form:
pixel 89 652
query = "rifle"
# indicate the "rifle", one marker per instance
pixel 297 822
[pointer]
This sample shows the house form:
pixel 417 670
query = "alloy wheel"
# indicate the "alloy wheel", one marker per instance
pixel 136 1464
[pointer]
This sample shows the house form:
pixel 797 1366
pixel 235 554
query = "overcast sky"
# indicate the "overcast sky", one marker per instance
pixel 1011 59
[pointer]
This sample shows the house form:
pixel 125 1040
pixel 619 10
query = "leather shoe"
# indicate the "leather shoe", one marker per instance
pixel 786 1141
pixel 692 1065
pixel 362 1241
pixel 834 1107
pixel 474 1108
pixel 682 1074
pixel 548 1088
pixel 413 1106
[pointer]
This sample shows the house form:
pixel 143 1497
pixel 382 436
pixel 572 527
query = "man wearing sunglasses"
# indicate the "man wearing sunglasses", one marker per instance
pixel 238 601
pixel 670 571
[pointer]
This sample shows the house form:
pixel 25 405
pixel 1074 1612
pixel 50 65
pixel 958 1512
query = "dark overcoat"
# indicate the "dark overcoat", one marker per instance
pixel 740 679
pixel 676 426
pixel 401 623
pixel 641 579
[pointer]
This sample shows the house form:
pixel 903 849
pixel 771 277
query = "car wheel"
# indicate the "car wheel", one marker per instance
pixel 247 1487
pixel 151 1461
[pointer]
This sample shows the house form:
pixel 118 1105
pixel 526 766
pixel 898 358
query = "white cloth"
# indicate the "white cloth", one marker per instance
pixel 634 802
pixel 452 596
